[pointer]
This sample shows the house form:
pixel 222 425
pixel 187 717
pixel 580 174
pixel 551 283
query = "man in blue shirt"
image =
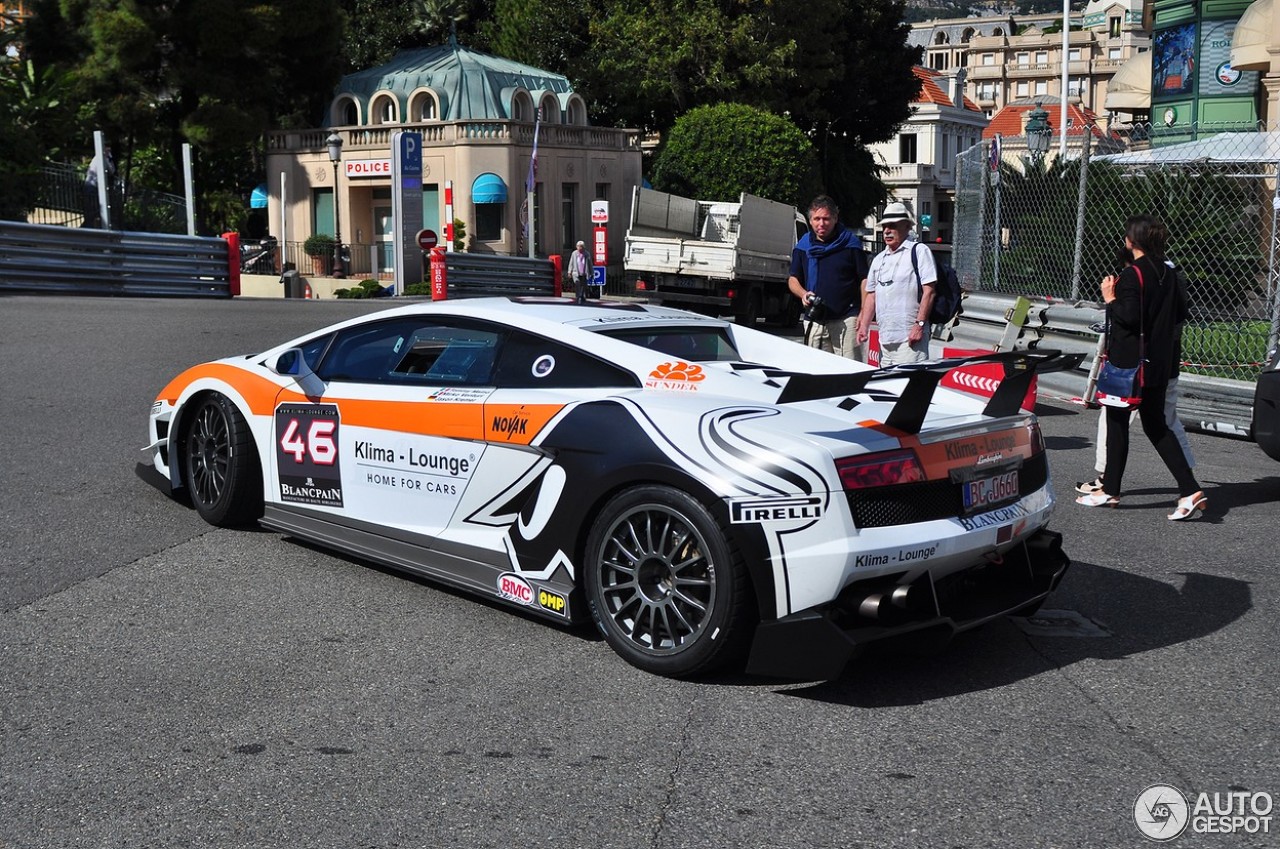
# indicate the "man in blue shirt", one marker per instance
pixel 827 270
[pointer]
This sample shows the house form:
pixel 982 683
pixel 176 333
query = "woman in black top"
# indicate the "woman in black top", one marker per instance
pixel 1145 305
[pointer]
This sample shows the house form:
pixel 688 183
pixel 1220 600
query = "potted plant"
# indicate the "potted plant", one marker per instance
pixel 320 247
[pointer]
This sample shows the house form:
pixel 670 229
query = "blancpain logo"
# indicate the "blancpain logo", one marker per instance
pixel 775 510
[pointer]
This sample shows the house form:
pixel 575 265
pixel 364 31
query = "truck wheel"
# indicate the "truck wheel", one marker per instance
pixel 749 315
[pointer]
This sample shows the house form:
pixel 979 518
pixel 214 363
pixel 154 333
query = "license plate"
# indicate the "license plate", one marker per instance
pixel 983 491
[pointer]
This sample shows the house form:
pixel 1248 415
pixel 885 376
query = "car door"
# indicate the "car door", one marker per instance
pixel 389 441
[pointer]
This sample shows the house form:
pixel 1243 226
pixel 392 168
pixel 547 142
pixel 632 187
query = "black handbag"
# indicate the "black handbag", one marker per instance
pixel 1122 387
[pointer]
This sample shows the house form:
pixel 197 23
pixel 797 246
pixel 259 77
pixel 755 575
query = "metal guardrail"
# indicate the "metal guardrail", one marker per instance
pixel 43 258
pixel 1208 404
pixel 471 275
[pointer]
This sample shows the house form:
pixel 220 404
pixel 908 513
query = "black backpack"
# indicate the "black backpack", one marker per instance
pixel 946 291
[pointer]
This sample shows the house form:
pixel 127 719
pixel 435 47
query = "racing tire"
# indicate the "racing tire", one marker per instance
pixel 664 584
pixel 220 464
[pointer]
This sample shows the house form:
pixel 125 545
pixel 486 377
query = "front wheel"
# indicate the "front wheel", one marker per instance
pixel 664 585
pixel 221 465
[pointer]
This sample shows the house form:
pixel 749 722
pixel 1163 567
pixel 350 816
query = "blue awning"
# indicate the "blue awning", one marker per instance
pixel 488 188
pixel 258 197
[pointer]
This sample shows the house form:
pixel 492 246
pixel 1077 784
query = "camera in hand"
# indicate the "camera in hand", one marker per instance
pixel 817 310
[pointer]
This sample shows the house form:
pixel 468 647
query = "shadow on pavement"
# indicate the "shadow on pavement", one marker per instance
pixel 1142 614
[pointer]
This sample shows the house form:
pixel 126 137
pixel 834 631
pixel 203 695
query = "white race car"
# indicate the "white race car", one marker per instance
pixel 706 493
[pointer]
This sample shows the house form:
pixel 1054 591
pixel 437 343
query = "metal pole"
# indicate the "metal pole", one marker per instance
pixel 104 208
pixel 1084 185
pixel 188 184
pixel 1273 337
pixel 337 228
pixel 995 263
pixel 1066 43
pixel 284 219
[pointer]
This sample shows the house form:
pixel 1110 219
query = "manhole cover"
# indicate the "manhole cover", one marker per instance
pixel 1060 623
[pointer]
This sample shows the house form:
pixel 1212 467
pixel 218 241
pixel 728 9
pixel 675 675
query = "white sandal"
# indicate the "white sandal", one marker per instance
pixel 1098 499
pixel 1189 507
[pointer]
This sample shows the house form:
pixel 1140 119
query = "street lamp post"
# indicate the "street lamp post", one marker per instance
pixel 335 154
pixel 1038 133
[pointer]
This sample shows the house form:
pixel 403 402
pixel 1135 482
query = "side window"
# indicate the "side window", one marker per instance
pixel 528 361
pixel 413 351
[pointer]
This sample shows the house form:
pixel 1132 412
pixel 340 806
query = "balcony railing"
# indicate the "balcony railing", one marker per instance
pixel 449 133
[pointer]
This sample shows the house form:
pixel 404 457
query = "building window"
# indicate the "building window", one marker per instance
pixel 1042 58
pixel 1076 86
pixel 938 61
pixel 1024 89
pixel 1114 53
pixel 1113 28
pixel 427 108
pixel 602 191
pixel 568 215
pixel 1024 58
pixel 489 221
pixel 1042 87
pixel 1074 54
pixel 907 148
pixel 988 58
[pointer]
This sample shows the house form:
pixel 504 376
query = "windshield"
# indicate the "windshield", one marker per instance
pixel 691 344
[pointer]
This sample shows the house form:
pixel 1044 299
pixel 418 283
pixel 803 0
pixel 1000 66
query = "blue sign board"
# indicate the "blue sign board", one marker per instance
pixel 597 275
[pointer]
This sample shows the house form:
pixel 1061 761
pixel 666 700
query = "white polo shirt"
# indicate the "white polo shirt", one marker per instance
pixel 893 281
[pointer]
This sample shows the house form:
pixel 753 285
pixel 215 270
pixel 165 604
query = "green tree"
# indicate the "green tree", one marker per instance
pixel 717 152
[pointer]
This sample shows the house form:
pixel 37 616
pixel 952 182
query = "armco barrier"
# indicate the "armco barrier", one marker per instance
pixel 470 275
pixel 1210 404
pixel 40 258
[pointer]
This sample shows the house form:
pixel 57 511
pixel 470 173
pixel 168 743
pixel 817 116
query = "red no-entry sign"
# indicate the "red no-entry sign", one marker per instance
pixel 427 239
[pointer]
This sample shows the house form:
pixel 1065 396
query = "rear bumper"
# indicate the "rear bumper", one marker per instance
pixel 817 644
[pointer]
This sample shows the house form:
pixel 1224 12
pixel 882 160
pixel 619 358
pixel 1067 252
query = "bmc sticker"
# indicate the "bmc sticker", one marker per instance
pixel 306 445
pixel 514 588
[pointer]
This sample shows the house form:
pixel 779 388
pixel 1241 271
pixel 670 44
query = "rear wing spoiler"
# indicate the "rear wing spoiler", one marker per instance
pixel 923 378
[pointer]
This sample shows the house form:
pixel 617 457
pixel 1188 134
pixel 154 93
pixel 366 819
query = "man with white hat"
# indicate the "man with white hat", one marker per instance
pixel 900 288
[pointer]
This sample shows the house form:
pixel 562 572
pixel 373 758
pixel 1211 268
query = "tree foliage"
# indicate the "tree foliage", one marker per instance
pixel 717 152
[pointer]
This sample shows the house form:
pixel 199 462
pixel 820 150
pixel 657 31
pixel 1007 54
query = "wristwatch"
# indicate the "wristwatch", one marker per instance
pixel 920 324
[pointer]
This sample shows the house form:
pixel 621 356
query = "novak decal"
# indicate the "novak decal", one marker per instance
pixel 514 588
pixel 553 602
pixel 509 426
pixel 758 510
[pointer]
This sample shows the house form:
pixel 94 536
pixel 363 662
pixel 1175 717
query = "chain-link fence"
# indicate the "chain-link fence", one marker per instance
pixel 1055 230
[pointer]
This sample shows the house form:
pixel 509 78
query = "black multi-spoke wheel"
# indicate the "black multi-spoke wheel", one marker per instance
pixel 221 464
pixel 664 587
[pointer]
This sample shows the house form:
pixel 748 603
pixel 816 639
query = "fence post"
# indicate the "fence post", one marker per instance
pixel 233 261
pixel 1084 185
pixel 439 275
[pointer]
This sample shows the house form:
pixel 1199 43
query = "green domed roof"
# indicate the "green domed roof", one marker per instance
pixel 470 85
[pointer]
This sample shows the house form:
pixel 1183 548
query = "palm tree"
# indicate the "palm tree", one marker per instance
pixel 434 18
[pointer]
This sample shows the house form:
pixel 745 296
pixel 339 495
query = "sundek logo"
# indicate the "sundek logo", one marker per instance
pixel 775 510
pixel 514 588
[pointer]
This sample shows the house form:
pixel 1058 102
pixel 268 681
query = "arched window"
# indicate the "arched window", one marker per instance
pixel 522 107
pixel 425 107
pixel 941 38
pixel 383 110
pixel 967 35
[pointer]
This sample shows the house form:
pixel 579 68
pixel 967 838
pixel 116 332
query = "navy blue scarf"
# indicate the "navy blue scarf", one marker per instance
pixel 817 250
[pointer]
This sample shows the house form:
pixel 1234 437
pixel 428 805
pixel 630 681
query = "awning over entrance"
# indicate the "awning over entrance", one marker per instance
pixel 488 188
pixel 1252 37
pixel 1130 89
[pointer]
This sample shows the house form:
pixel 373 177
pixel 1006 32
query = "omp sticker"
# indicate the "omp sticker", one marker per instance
pixel 306 445
pixel 768 510
pixel 514 588
pixel 553 602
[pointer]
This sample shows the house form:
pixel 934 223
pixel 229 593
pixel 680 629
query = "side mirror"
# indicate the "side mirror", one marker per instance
pixel 290 362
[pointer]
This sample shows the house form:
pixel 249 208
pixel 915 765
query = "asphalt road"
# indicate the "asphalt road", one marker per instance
pixel 167 684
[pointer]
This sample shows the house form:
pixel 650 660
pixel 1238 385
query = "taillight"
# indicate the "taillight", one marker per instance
pixel 887 469
pixel 1037 438
pixel 731 294
pixel 642 285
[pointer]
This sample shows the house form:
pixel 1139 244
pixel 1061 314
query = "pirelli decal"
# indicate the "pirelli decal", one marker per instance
pixel 770 510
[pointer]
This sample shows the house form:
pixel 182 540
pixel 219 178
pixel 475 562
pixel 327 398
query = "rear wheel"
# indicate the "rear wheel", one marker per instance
pixel 664 585
pixel 221 464
pixel 751 309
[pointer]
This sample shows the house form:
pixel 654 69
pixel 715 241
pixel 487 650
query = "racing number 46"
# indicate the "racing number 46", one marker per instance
pixel 319 441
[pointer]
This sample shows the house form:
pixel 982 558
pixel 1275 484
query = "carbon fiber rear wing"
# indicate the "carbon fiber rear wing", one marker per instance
pixel 912 406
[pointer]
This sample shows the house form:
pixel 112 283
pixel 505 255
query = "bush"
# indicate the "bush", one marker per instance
pixel 319 244
pixel 368 288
